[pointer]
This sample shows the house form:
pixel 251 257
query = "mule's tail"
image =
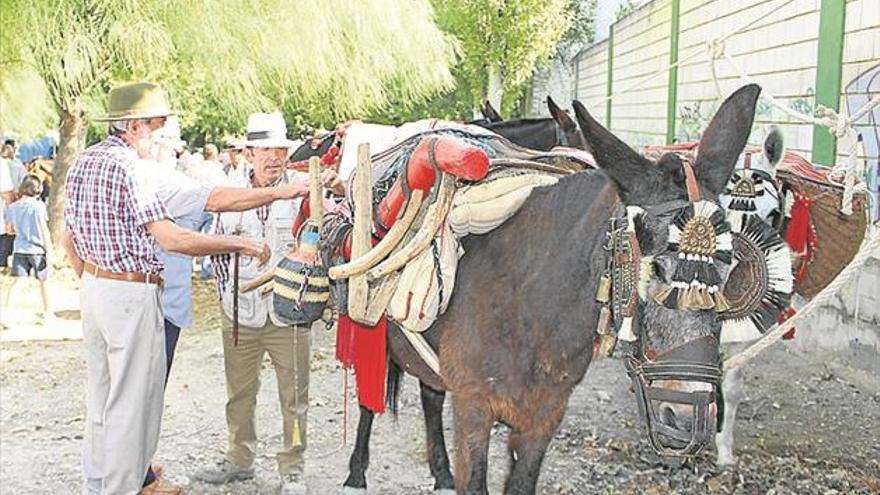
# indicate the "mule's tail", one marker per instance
pixel 392 386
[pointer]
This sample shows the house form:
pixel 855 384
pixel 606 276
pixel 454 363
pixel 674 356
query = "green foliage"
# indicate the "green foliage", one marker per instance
pixel 626 8
pixel 319 61
pixel 582 31
pixel 515 34
pixel 24 103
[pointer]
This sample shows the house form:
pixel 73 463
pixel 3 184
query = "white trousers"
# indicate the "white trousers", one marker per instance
pixel 125 354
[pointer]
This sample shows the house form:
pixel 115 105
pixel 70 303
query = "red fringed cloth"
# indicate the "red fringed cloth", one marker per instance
pixel 364 348
pixel 801 235
pixel 788 313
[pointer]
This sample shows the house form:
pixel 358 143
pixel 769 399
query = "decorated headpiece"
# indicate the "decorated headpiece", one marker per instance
pixel 701 237
pixel 760 284
pixel 751 190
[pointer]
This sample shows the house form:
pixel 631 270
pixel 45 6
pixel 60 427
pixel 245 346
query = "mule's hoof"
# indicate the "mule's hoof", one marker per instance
pixel 444 491
pixel 726 461
pixel 350 490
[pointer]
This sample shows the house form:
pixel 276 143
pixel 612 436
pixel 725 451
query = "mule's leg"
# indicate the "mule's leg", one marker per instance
pixel 527 451
pixel 438 460
pixel 360 457
pixel 732 391
pixel 473 425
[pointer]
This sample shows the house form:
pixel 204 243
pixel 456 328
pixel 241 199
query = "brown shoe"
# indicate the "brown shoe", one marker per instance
pixel 159 488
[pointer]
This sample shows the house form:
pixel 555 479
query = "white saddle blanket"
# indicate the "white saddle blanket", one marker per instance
pixel 426 283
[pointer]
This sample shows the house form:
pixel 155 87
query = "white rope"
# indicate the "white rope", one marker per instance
pixel 840 126
pixel 870 246
pixel 638 82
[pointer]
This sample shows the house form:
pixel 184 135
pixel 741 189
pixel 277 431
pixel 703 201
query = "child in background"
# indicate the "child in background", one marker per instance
pixel 32 248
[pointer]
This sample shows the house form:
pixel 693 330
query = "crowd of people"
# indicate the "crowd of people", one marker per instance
pixel 138 206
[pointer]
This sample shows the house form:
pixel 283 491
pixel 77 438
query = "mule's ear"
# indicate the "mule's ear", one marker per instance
pixel 559 115
pixel 725 138
pixel 490 113
pixel 774 146
pixel 616 158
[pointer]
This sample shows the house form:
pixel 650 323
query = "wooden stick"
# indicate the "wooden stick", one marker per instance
pixel 263 279
pixel 358 288
pixel 316 200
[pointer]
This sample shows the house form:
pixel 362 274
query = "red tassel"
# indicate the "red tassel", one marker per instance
pixel 369 364
pixel 788 313
pixel 345 341
pixel 801 235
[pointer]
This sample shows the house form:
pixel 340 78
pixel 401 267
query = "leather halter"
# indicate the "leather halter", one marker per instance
pixel 697 360
pixel 693 189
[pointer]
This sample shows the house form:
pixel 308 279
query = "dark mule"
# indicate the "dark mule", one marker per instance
pixel 540 134
pixel 520 331
pixel 537 134
pixel 490 113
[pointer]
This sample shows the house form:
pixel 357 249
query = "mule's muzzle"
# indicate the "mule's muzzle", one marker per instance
pixel 695 361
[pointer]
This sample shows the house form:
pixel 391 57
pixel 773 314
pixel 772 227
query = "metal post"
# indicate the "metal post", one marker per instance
pixel 672 85
pixel 828 74
pixel 610 83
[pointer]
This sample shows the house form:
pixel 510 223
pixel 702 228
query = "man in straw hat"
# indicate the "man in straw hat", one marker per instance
pixel 261 330
pixel 113 217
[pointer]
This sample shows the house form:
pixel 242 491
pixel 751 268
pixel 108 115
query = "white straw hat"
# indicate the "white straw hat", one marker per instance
pixel 267 130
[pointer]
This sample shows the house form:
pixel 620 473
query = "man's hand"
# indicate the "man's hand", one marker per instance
pixel 330 180
pixel 295 189
pixel 256 249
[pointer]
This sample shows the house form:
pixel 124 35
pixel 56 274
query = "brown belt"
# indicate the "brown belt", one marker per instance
pixel 144 278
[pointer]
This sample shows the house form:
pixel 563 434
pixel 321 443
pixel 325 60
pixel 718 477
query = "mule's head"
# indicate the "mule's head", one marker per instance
pixel 686 254
pixel 752 189
pixel 567 130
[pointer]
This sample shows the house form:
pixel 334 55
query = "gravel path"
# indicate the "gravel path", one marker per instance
pixel 801 429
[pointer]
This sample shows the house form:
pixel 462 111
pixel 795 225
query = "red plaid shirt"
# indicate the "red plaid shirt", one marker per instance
pixel 108 202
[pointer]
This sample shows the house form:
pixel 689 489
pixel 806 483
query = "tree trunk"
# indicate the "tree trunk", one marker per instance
pixel 70 143
pixel 495 88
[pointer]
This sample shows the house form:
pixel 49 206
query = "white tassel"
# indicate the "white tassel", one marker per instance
pixel 739 330
pixel 646 267
pixel 626 331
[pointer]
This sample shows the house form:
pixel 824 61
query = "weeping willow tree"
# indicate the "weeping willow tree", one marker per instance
pixel 320 61
pixel 503 41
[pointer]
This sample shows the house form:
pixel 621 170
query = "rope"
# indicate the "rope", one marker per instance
pixel 838 124
pixel 870 247
pixel 638 82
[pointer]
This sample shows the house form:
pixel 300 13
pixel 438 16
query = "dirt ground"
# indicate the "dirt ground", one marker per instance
pixel 800 430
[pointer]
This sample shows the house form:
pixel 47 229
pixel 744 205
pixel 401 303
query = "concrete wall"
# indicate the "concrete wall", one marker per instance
pixel 779 50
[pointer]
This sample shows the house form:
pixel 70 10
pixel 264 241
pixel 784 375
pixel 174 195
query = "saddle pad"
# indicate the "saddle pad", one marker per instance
pixel 484 206
pixel 426 284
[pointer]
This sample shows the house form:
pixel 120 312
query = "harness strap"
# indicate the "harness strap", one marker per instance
pixel 691 180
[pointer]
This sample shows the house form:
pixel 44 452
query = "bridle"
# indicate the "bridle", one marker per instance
pixel 697 360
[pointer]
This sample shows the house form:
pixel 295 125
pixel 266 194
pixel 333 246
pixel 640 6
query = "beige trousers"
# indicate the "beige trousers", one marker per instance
pixel 288 348
pixel 124 341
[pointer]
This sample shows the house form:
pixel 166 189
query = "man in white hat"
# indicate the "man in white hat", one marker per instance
pixel 188 201
pixel 261 331
pixel 113 217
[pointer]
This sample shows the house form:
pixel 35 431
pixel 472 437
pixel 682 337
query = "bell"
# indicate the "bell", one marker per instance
pixel 297 438
pixel 603 292
pixel 607 338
